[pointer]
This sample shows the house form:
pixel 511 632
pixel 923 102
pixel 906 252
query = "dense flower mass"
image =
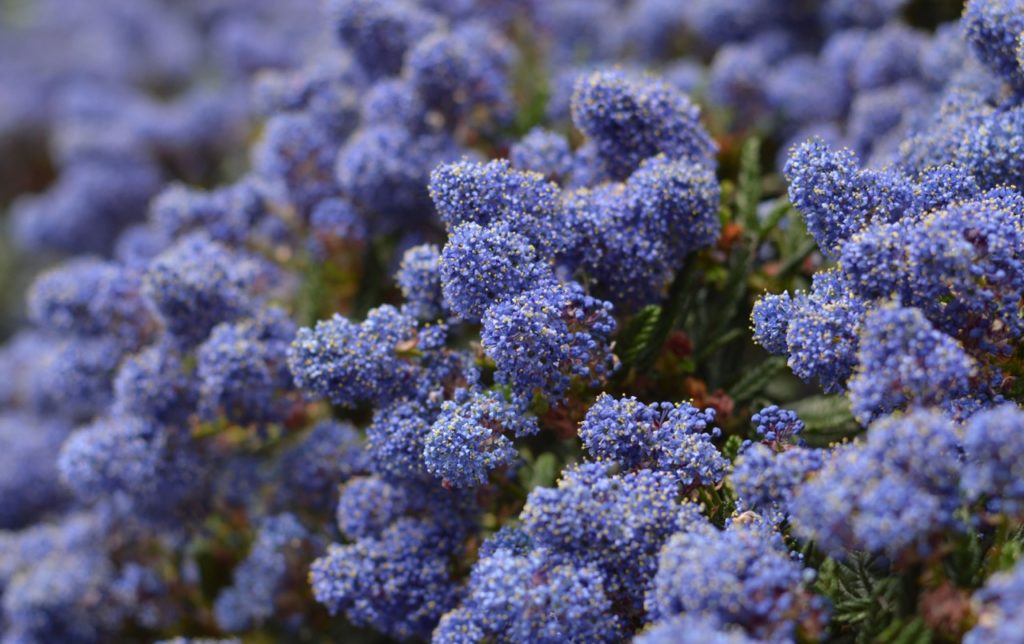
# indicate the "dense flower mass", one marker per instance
pixel 498 321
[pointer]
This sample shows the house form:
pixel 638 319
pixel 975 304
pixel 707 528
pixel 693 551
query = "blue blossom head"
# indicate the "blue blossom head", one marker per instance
pixel 624 245
pixel 90 297
pixel 534 597
pixel 298 154
pixel 472 436
pixel 987 145
pixel 800 89
pixel 717 23
pixel 394 101
pixel 742 576
pixel 86 208
pixel 739 74
pixel 994 459
pixel 463 73
pixel 481 265
pixel 543 338
pixel 395 439
pixel 632 118
pixel 326 88
pixel 494 193
pixel 890 54
pixel 137 245
pixel 369 504
pixel 29 481
pixel 379 33
pixel 384 170
pixel 398 583
pixel 350 363
pixel 997 604
pixel 764 479
pixel 674 202
pixel 65 597
pixel 262 575
pixel 616 522
pixel 693 629
pixel 150 465
pixel 242 368
pixel 671 438
pixel 154 384
pixel 822 336
pixel 877 117
pixel 887 494
pixel 225 214
pixel 954 263
pixel 828 189
pixel 777 425
pixel 841 14
pixel 328 455
pixel 419 278
pixel 76 381
pixel 992 28
pixel 195 285
pixel 903 360
pixel 544 152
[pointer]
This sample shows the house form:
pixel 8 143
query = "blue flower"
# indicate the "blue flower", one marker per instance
pixel 543 338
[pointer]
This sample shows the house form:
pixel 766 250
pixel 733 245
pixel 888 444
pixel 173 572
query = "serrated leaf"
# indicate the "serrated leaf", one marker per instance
pixel 636 334
pixel 732 447
pixel 868 602
pixel 913 631
pixel 680 296
pixel 754 381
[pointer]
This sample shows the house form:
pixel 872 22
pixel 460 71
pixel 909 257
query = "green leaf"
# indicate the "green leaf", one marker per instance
pixel 868 602
pixel 914 631
pixel 680 297
pixel 723 340
pixel 542 472
pixel 718 319
pixel 732 447
pixel 636 334
pixel 755 380
pixel 827 418
pixel 718 503
pixel 964 563
pixel 748 195
pixel 765 228
pixel 793 263
pixel 373 280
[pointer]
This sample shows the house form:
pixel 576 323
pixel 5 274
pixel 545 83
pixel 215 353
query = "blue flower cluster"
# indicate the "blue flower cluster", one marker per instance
pixel 395 575
pixel 777 425
pixel 469 438
pixel 993 460
pixel 888 494
pixel 923 304
pixel 904 361
pixel 671 438
pixel 424 318
pixel 998 619
pixel 742 575
pixel 766 480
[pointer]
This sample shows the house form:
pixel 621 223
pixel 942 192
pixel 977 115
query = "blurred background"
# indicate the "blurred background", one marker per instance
pixel 103 102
